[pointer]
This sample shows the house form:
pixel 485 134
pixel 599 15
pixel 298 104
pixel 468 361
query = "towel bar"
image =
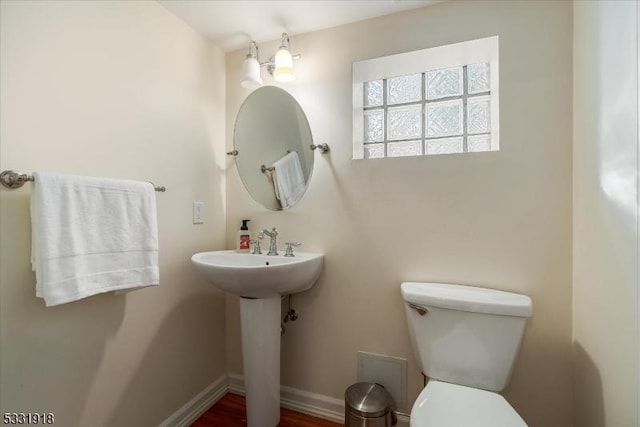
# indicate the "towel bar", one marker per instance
pixel 12 179
pixel 263 168
pixel 324 148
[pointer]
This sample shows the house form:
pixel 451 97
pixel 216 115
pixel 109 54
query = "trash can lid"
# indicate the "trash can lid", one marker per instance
pixel 368 400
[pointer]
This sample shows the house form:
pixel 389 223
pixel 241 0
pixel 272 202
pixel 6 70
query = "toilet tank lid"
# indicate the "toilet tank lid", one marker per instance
pixel 467 298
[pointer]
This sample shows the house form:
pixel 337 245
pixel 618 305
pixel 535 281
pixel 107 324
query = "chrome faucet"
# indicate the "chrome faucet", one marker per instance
pixel 273 246
pixel 256 246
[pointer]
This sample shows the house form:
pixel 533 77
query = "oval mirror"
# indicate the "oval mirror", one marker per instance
pixel 271 128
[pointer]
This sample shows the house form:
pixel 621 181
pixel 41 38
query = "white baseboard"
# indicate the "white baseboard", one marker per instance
pixel 197 406
pixel 320 406
pixel 317 405
pixel 314 404
pixel 236 384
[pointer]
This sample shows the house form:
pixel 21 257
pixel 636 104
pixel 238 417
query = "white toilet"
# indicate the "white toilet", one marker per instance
pixel 466 340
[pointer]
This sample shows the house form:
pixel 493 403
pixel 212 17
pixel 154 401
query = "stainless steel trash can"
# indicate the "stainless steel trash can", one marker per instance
pixel 368 405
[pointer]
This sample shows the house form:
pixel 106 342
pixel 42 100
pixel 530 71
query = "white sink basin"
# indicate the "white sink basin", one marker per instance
pixel 262 279
pixel 259 276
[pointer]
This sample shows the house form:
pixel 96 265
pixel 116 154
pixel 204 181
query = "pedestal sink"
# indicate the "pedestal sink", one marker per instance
pixel 260 281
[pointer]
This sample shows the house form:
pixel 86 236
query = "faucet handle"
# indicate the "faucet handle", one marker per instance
pixel 290 246
pixel 256 247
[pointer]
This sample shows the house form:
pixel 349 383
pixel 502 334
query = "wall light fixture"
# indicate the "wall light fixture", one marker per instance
pixel 251 68
pixel 280 66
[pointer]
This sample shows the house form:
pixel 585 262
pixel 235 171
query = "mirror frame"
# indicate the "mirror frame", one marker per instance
pixel 270 123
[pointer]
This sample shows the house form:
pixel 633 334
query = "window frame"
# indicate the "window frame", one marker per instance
pixel 420 62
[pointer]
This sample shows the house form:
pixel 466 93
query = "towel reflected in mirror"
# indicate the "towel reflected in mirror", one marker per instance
pixel 288 180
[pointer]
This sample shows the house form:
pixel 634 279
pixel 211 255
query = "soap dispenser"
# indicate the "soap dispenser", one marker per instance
pixel 244 237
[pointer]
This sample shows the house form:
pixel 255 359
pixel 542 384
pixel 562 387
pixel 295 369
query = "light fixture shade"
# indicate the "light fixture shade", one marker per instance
pixel 283 66
pixel 251 73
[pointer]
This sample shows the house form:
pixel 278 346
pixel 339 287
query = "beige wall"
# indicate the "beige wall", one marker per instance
pixel 500 219
pixel 605 204
pixel 124 90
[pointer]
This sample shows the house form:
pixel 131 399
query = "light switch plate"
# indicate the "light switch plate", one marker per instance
pixel 198 212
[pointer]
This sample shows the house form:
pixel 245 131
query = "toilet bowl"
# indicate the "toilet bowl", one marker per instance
pixel 449 405
pixel 466 340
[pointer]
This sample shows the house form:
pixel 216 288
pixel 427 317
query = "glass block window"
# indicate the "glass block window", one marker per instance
pixel 432 108
pixel 374 93
pixel 444 83
pixel 436 112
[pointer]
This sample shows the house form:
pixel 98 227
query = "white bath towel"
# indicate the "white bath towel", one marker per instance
pixel 288 179
pixel 92 235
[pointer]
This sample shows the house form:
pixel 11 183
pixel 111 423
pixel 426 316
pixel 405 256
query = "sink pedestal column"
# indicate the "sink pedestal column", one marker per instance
pixel 260 325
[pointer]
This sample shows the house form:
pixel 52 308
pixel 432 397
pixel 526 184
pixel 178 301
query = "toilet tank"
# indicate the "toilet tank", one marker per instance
pixel 464 334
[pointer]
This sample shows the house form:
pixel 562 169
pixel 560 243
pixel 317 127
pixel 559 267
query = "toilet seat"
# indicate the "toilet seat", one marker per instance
pixel 450 405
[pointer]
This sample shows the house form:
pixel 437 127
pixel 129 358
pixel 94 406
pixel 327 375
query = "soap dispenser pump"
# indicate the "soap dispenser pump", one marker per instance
pixel 244 237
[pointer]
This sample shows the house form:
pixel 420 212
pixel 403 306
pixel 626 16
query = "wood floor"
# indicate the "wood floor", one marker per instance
pixel 230 412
